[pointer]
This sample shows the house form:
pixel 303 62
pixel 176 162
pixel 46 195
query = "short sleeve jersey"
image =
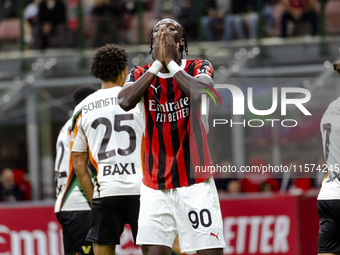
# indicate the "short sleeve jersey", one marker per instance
pixel 175 139
pixel 330 132
pixel 70 196
pixel 113 139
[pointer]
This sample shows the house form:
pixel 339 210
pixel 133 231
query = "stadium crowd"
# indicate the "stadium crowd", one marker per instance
pixel 48 21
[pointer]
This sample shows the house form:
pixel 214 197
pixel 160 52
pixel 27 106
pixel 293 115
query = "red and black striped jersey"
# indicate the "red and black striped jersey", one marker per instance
pixel 175 138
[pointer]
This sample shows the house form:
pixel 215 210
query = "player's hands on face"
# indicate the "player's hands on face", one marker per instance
pixel 170 46
pixel 158 53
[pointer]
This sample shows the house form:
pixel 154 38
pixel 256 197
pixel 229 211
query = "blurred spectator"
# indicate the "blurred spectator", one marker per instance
pixel 296 182
pixel 9 192
pixel 187 16
pixel 223 175
pixel 166 8
pixel 226 179
pixel 108 14
pixel 130 7
pixel 215 14
pixel 183 11
pixel 303 184
pixel 51 23
pixel 242 11
pixel 234 186
pixel 299 185
pixel 255 176
pixel 288 177
pixel 136 31
pixel 31 21
pixel 130 20
pixel 24 185
pixel 299 10
pixel 268 16
pixel 270 185
pixel 332 10
pixel 9 9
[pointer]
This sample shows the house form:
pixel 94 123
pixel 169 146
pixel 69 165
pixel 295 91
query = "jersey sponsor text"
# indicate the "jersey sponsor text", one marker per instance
pixel 127 168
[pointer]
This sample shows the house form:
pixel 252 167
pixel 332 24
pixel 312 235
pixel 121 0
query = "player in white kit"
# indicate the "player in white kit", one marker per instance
pixel 329 196
pixel 72 208
pixel 112 139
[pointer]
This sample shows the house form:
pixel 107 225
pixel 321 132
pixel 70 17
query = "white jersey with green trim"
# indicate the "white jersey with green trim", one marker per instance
pixel 330 132
pixel 70 196
pixel 113 139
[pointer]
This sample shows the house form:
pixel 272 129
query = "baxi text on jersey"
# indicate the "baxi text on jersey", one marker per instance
pixel 98 104
pixel 119 169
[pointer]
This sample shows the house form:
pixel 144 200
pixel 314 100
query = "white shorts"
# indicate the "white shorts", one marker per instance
pixel 192 212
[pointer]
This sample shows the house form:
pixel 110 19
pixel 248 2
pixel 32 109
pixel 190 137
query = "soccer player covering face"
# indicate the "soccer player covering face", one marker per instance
pixel 175 200
pixel 111 139
pixel 72 208
pixel 329 196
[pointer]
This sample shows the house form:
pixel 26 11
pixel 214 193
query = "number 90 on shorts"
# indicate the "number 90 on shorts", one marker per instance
pixel 192 212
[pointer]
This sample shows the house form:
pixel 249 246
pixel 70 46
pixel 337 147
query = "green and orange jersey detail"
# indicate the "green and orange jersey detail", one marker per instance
pixel 73 181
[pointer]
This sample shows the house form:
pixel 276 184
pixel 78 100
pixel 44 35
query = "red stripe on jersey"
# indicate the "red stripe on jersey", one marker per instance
pixel 168 147
pixel 204 150
pixel 149 149
pixel 153 148
pixel 154 151
pixel 183 178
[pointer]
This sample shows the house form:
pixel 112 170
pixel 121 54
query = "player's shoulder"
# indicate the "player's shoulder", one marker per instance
pixel 136 72
pixel 140 69
pixel 332 111
pixel 200 64
pixel 200 67
pixel 335 102
pixel 199 61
